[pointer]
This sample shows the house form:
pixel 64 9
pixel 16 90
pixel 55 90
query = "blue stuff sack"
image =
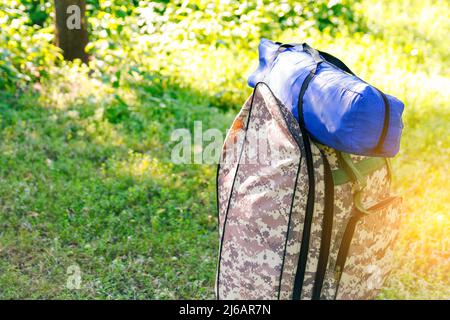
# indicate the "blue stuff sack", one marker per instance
pixel 339 109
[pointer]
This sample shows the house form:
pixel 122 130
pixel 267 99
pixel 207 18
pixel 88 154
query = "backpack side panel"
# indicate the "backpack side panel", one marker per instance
pixel 295 234
pixel 229 159
pixel 368 259
pixel 258 213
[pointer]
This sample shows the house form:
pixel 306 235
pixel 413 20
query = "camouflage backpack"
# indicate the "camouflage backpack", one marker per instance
pixel 298 220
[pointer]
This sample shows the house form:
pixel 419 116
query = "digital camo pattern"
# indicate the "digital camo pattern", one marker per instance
pixel 293 244
pixel 331 156
pixel 378 185
pixel 370 255
pixel 295 234
pixel 255 229
pixel 343 204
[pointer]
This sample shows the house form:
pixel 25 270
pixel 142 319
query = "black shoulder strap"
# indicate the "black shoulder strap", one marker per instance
pixel 335 61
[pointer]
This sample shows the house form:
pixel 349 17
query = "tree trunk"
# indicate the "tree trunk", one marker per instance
pixel 71 29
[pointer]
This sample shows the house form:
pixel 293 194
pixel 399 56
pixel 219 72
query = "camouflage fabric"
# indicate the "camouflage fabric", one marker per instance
pixel 255 226
pixel 370 255
pixel 316 226
pixel 227 167
pixel 262 187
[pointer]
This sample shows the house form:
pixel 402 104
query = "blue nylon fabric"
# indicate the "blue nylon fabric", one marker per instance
pixel 340 110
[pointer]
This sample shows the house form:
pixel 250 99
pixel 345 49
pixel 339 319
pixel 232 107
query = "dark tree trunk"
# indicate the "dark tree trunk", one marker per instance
pixel 71 29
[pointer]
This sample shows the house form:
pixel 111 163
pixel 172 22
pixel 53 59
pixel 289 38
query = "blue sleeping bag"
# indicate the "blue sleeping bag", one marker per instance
pixel 339 109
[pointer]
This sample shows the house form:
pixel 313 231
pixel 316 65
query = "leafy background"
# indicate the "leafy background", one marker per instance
pixel 85 171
